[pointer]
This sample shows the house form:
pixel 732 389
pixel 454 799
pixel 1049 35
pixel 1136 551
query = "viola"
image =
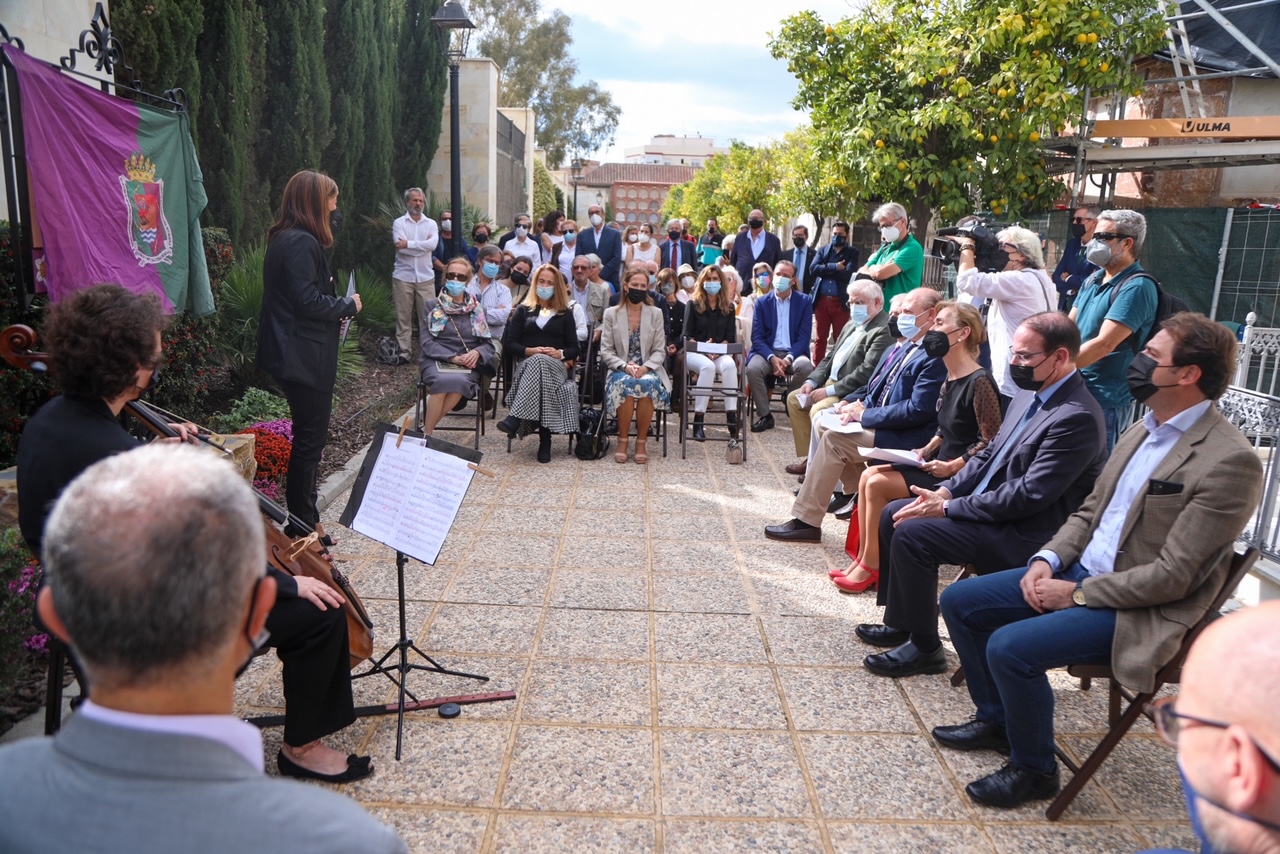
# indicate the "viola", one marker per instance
pixel 294 556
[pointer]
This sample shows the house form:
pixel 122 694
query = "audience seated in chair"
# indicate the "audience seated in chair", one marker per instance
pixel 709 319
pixel 1126 576
pixel 633 348
pixel 455 343
pixel 156 579
pixel 543 335
pixel 780 332
pixel 897 409
pixel 969 416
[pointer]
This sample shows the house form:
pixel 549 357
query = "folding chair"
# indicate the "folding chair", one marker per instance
pixel 692 392
pixel 454 422
pixel 1170 674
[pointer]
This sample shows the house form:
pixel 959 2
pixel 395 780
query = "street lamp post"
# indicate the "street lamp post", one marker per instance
pixel 451 16
pixel 575 166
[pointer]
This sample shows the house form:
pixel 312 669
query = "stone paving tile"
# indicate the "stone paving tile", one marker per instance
pixel 482 628
pixel 1169 835
pixel 525 550
pixel 1141 774
pixel 535 497
pixel 809 595
pixel 522 586
pixel 589 693
pixel 377 579
pixel 709 637
pixel 532 835
pixel 718 697
pixel 813 641
pixel 700 593
pixel 581 770
pixel 845 699
pixel 442 763
pixel 435 831
pixel 588 522
pixel 574 633
pixel 725 774
pixel 1046 838
pixel 606 591
pixel 1091 803
pixel 708 527
pixel 953 838
pixel 684 836
pixel 880 776
pixel 519 519
pixel 505 673
pixel 692 555
pixel 631 555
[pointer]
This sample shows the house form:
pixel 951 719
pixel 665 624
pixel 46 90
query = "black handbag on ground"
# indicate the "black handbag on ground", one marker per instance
pixel 592 443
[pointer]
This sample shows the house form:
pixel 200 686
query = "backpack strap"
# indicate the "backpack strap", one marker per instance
pixel 1115 294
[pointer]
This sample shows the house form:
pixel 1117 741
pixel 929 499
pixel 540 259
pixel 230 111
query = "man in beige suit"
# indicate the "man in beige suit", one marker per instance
pixel 1125 577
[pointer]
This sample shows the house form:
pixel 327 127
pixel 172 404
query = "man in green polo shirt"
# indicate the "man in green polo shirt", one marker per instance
pixel 898 265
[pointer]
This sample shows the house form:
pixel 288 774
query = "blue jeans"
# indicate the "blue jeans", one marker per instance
pixel 1118 419
pixel 1006 648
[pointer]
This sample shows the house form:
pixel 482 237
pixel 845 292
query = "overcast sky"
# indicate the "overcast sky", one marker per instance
pixel 709 72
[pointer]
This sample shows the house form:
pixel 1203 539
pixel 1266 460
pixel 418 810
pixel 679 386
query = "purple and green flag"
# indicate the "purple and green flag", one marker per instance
pixel 116 190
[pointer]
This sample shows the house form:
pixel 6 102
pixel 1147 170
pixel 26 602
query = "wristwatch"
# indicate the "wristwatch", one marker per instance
pixel 1077 595
pixel 945 502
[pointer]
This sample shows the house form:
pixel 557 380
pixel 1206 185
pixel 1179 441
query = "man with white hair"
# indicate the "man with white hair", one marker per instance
pixel 157 580
pixel 413 277
pixel 675 249
pixel 1223 722
pixel 1115 311
pixel 898 265
pixel 1018 291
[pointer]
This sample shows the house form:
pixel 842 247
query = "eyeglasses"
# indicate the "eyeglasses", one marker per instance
pixel 1023 358
pixel 1110 235
pixel 1009 246
pixel 1080 220
pixel 1170 722
pixel 579 268
pixel 456 277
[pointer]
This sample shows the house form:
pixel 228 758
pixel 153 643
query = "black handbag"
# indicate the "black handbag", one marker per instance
pixel 592 443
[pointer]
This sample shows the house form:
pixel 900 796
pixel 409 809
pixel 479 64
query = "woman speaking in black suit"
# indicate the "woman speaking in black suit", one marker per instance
pixel 299 327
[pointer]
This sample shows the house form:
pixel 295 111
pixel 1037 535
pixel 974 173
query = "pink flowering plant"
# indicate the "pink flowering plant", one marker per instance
pixel 19 580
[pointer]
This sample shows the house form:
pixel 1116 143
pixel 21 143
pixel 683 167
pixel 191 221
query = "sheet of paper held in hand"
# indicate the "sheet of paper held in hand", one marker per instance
pixel 893 455
pixel 412 498
pixel 829 420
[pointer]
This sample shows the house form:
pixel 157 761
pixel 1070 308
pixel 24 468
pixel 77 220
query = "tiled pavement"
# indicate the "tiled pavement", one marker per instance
pixel 683 684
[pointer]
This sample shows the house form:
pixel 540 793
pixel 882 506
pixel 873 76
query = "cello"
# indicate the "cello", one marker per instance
pixel 288 554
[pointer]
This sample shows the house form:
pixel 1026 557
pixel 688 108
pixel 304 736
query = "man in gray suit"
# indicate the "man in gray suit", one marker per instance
pixel 157 580
pixel 1124 577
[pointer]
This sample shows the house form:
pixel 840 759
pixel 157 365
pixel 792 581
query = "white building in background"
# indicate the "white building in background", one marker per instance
pixel 670 150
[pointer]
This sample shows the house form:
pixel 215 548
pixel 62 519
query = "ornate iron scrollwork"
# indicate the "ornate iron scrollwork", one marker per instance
pixel 100 44
pixel 1255 413
pixel 13 40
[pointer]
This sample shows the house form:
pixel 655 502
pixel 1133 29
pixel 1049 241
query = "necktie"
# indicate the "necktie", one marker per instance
pixel 675 255
pixel 799 266
pixel 885 365
pixel 893 374
pixel 1004 449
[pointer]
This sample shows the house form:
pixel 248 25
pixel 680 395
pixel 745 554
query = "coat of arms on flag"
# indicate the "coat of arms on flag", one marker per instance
pixel 149 233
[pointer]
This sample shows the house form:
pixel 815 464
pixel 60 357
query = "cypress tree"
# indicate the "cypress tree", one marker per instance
pixel 159 38
pixel 423 79
pixel 374 184
pixel 349 53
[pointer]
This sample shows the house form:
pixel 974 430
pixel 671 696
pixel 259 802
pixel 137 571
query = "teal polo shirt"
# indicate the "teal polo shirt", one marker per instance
pixel 1135 307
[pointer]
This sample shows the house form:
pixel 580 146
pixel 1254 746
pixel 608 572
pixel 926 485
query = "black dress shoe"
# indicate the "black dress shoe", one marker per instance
pixel 356 770
pixel 878 635
pixel 544 445
pixel 1011 786
pixel 793 530
pixel 838 500
pixel 906 660
pixel 846 512
pixel 509 425
pixel 974 735
pixel 765 423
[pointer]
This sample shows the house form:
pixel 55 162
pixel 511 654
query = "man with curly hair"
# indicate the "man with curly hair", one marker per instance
pixel 104 347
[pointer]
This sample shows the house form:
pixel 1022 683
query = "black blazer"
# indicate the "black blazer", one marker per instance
pixel 688 254
pixel 609 250
pixel 301 317
pixel 709 326
pixel 810 278
pixel 560 332
pixel 743 260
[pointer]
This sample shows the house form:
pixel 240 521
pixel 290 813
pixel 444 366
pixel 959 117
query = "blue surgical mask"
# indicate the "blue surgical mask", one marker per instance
pixel 455 289
pixel 782 284
pixel 546 293
pixel 711 287
pixel 570 237
pixel 490 270
pixel 653 279
pixel 907 326
pixel 859 314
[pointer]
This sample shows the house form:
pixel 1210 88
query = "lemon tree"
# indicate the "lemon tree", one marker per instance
pixel 728 187
pixel 809 182
pixel 943 104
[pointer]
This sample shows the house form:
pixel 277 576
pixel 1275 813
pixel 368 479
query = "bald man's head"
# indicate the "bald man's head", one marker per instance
pixel 1234 670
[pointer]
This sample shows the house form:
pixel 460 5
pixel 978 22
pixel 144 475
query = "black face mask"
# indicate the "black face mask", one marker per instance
pixel 673 236
pixel 336 218
pixel 635 296
pixel 519 278
pixel 893 326
pixel 838 240
pixel 756 223
pixel 799 241
pixel 936 343
pixel 1139 374
pixel 1077 230
pixel 1024 376
pixel 481 238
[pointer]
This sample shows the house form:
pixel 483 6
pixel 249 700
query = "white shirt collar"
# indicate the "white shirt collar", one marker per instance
pixel 245 739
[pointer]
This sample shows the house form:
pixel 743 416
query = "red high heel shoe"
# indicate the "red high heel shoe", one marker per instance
pixel 837 573
pixel 865 584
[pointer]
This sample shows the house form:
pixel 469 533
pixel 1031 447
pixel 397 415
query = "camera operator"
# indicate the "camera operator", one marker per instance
pixel 1014 293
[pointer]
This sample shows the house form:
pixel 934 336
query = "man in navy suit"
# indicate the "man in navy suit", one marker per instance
pixel 780 336
pixel 897 409
pixel 802 255
pixel 753 246
pixel 999 509
pixel 684 250
pixel 603 242
pixel 1073 268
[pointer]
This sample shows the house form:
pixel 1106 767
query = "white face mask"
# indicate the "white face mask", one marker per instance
pixel 521 230
pixel 890 234
pixel 687 282
pixel 644 238
pixel 596 219
pixel 633 238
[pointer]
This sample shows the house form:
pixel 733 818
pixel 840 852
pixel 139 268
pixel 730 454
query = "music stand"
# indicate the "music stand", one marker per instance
pixel 391 504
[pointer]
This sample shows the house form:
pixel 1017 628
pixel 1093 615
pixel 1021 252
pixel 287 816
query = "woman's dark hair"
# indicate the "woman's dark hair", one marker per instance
pixel 305 205
pixel 100 337
pixel 549 221
pixel 1208 345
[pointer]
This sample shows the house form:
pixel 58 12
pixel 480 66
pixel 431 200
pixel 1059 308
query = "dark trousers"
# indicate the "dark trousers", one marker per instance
pixel 909 577
pixel 1006 647
pixel 310 410
pixel 830 315
pixel 314 648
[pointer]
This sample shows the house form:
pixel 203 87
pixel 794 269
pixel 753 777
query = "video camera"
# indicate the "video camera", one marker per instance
pixel 988 256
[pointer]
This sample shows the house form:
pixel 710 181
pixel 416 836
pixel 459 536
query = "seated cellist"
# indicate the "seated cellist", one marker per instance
pixel 104 347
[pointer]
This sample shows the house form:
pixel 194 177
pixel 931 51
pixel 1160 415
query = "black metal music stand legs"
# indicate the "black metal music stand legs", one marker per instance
pixel 398 671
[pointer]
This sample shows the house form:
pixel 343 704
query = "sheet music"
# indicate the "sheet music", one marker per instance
pixel 412 497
